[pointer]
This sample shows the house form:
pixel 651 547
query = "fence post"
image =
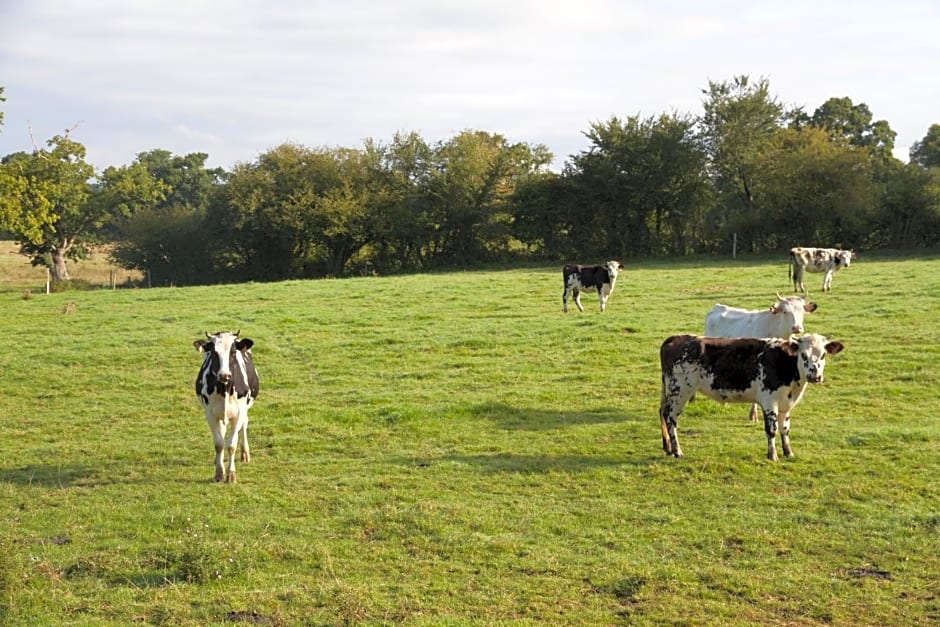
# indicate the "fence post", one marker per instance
pixel 734 246
pixel 48 281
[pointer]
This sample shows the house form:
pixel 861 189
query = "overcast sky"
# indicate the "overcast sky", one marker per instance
pixel 235 78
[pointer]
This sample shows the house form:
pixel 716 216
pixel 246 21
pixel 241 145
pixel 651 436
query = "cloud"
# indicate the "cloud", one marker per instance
pixel 190 76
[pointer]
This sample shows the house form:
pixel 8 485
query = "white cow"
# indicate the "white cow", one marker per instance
pixel 783 319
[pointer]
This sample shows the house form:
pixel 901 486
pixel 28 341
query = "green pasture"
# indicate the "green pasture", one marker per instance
pixel 450 449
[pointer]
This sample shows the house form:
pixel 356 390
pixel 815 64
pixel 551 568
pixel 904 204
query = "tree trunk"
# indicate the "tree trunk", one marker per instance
pixel 60 271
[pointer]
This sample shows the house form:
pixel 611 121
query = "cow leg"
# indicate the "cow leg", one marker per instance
pixel 564 300
pixel 827 281
pixel 671 403
pixel 602 297
pixel 753 412
pixel 246 453
pixel 231 443
pixel 217 427
pixel 770 427
pixel 783 425
pixel 798 280
pixel 577 299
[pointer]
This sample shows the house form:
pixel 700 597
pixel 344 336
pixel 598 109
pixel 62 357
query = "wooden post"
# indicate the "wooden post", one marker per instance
pixel 111 278
pixel 734 247
pixel 48 281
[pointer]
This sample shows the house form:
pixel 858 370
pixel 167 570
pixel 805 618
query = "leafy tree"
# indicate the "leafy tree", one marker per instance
pixel 402 226
pixel 468 193
pixel 296 212
pixel 56 201
pixel 740 121
pixel 542 205
pixel 910 208
pixel 814 191
pixel 14 216
pixel 166 237
pixel 639 189
pixel 851 123
pixel 926 152
pixel 189 182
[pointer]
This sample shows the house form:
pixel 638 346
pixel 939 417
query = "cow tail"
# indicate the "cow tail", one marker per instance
pixel 790 267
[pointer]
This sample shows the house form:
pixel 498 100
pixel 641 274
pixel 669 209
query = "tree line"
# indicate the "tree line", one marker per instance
pixel 673 184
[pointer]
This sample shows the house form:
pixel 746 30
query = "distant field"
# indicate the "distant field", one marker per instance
pixel 17 274
pixel 452 449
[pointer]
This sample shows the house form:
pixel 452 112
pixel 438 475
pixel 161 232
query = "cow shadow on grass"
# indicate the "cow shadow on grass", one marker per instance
pixel 516 463
pixel 527 419
pixel 58 476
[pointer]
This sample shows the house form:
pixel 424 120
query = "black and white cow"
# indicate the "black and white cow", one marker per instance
pixel 227 386
pixel 768 371
pixel 826 260
pixel 600 278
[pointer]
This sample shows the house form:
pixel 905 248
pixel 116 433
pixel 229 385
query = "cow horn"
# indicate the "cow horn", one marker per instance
pixel 237 332
pixel 779 297
pixel 208 337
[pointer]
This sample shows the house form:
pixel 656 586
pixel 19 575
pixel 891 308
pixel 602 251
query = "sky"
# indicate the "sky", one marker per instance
pixel 236 78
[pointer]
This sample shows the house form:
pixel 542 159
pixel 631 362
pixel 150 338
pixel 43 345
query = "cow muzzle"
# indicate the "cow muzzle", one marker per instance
pixel 814 377
pixel 797 328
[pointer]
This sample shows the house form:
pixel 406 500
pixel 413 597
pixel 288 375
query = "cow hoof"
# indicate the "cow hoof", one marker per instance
pixel 230 478
pixel 772 456
pixel 246 456
pixel 219 476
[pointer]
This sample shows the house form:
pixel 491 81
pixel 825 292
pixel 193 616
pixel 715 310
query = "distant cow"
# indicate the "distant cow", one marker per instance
pixel 826 260
pixel 582 278
pixel 783 319
pixel 227 386
pixel 770 372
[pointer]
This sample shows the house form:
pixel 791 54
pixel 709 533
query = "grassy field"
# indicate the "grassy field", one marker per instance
pixel 17 274
pixel 452 449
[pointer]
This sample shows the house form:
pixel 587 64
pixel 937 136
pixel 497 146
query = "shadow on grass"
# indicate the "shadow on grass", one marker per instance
pixel 60 476
pixel 500 463
pixel 516 418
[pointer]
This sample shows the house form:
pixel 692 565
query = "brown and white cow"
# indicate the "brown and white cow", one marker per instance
pixel 582 278
pixel 768 371
pixel 227 386
pixel 826 260
pixel 783 319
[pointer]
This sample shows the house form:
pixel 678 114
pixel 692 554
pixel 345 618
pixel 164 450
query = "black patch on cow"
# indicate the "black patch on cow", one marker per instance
pixel 588 276
pixel 780 368
pixel 733 363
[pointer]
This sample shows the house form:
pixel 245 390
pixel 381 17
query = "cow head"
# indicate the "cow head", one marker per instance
pixel 792 309
pixel 612 268
pixel 810 352
pixel 220 350
pixel 844 257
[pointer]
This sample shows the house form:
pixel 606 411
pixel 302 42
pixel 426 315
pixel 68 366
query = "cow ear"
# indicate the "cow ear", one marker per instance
pixel 834 347
pixel 244 344
pixel 791 348
pixel 809 307
pixel 200 345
